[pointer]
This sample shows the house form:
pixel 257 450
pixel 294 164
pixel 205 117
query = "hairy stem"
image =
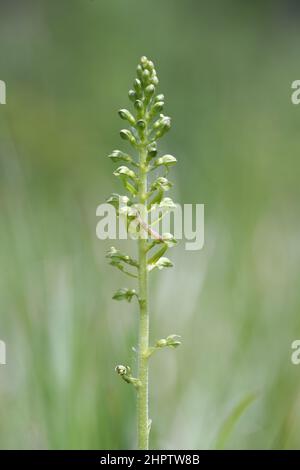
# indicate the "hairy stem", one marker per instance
pixel 142 394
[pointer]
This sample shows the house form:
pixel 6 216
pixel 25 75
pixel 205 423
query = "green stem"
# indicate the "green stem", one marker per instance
pixel 142 391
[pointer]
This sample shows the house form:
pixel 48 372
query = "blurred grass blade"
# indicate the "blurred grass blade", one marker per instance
pixel 230 422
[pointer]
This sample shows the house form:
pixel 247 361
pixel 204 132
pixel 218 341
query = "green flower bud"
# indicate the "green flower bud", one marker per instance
pixel 167 203
pixel 144 61
pixel 117 155
pixel 146 76
pixel 127 135
pixel 116 255
pixel 167 160
pixel 150 65
pixel 116 200
pixel 132 95
pixel 161 343
pixel 154 80
pixel 126 115
pixel 162 122
pixel 124 294
pixel 162 132
pixel 121 370
pixel 125 171
pixel 149 90
pixel 125 373
pixel 151 151
pixel 139 71
pixel 161 183
pixel 141 124
pixel 169 239
pixel 160 97
pixel 158 122
pixel 128 212
pixel 163 125
pixel 163 262
pixel 138 104
pixel 157 108
pixel 137 85
pixel 173 341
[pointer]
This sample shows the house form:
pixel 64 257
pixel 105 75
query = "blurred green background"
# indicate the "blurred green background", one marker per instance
pixel 226 68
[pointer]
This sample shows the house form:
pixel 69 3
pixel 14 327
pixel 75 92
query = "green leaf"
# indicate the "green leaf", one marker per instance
pixel 156 199
pixel 129 187
pixel 230 422
pixel 153 260
pixel 125 294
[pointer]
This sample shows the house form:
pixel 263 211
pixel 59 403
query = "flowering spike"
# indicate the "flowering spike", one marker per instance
pixel 147 125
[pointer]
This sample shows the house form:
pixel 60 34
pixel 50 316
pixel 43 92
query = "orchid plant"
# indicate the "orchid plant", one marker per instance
pixel 147 125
